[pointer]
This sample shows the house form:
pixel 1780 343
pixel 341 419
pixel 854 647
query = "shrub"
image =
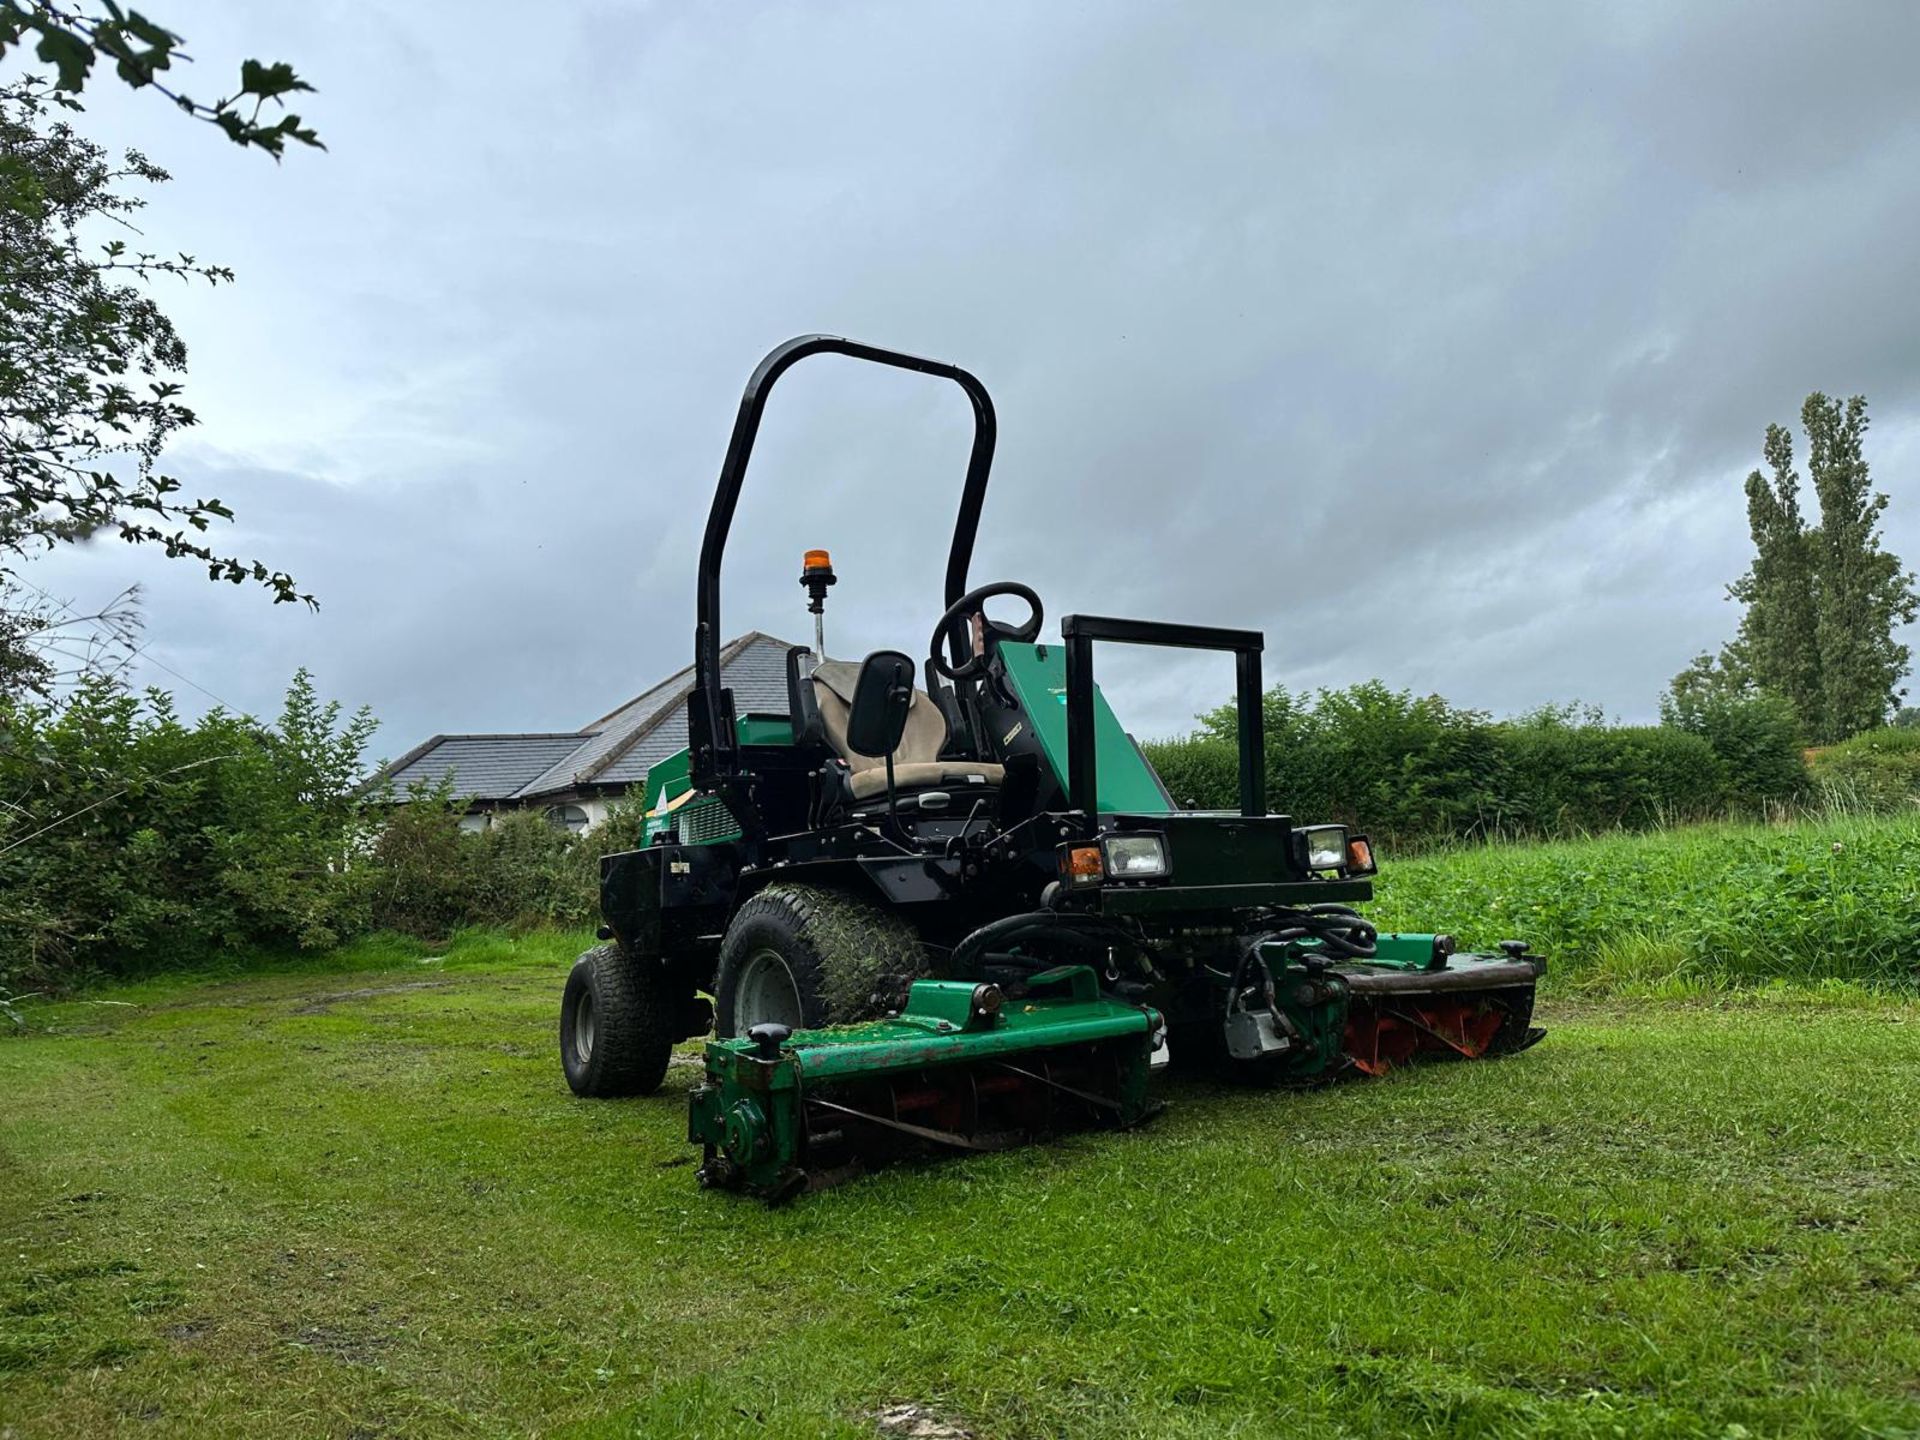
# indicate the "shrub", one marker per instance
pixel 1568 773
pixel 1417 771
pixel 421 874
pixel 1753 732
pixel 424 875
pixel 534 872
pixel 1410 769
pixel 1201 772
pixel 1878 770
pixel 131 838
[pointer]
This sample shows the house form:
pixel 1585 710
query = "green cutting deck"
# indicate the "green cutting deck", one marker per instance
pixel 960 1068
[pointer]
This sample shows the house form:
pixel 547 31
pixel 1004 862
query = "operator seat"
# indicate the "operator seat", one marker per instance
pixel 916 762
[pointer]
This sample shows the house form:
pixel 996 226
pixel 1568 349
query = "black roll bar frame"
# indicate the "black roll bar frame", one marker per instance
pixel 710 720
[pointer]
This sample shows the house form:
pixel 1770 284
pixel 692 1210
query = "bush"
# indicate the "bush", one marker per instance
pixel 132 838
pixel 1876 771
pixel 1567 773
pixel 424 875
pixel 1753 732
pixel 1407 768
pixel 1201 772
pixel 421 873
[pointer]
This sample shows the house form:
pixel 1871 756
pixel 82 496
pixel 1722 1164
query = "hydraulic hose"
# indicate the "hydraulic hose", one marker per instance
pixel 1341 933
pixel 1064 926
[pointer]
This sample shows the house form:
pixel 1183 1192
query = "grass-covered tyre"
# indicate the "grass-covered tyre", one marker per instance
pixel 803 956
pixel 615 1025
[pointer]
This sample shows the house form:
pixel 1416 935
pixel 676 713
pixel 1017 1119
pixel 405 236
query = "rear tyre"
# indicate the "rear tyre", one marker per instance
pixel 802 956
pixel 616 1016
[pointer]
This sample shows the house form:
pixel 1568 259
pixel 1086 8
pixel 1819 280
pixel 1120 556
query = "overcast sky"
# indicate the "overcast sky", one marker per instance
pixel 1434 341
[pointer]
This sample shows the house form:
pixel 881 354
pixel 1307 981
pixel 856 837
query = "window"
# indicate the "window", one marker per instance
pixel 567 817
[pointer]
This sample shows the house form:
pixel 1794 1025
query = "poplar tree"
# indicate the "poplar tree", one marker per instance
pixel 1822 601
pixel 1861 591
pixel 1778 645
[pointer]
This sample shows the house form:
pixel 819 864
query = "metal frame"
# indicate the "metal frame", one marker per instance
pixel 714 750
pixel 1080 631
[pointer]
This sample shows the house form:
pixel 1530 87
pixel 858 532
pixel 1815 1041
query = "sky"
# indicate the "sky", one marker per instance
pixel 1435 342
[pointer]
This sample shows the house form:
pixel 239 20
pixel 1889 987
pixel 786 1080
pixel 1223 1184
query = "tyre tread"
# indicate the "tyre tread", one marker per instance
pixel 847 950
pixel 633 1037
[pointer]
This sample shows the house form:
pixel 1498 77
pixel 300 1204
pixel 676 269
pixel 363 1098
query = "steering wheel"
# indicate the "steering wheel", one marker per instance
pixel 970 603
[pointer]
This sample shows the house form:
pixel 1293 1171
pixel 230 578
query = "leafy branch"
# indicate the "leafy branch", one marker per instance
pixel 142 53
pixel 90 366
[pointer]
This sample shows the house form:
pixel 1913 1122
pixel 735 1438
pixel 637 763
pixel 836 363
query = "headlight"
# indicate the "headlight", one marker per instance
pixel 1134 857
pixel 1325 847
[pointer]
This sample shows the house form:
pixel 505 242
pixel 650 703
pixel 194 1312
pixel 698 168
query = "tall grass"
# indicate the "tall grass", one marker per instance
pixel 1836 898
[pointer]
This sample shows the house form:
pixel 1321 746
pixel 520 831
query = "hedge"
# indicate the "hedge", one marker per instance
pixel 1415 771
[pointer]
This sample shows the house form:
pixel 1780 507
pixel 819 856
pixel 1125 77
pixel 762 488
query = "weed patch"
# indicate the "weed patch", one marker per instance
pixel 1686 910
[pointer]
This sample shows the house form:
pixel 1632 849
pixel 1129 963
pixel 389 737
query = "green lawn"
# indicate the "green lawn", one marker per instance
pixel 358 1200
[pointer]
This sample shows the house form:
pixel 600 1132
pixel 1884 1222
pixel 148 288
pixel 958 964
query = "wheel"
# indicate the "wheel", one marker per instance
pixel 616 1018
pixel 804 957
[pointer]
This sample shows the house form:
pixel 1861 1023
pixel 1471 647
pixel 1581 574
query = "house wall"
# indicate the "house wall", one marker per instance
pixel 595 807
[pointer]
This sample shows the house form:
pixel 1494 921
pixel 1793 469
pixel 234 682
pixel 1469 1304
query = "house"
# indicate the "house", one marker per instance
pixel 572 775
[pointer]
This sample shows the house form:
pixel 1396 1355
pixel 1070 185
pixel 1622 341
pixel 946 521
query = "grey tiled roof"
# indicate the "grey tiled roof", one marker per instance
pixel 654 725
pixel 616 749
pixel 656 745
pixel 484 767
pixel 609 735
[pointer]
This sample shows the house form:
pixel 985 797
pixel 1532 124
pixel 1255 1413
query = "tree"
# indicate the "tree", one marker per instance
pixel 1778 644
pixel 1821 601
pixel 90 366
pixel 1862 591
pixel 73 40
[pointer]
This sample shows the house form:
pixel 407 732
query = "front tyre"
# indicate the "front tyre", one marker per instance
pixel 615 1034
pixel 803 956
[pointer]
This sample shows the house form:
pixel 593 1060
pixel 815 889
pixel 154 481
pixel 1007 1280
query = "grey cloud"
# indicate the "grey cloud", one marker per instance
pixel 1433 341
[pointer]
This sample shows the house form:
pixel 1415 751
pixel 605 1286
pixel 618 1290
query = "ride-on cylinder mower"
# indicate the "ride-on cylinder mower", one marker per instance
pixel 954 916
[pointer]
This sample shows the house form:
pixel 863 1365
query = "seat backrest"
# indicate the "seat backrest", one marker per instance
pixel 926 732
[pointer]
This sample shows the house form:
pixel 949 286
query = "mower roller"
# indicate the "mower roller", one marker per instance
pixel 956 916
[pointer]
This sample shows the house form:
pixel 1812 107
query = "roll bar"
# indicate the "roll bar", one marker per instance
pixel 710 728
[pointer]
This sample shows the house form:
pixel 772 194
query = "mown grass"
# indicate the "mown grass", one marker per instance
pixel 362 1203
